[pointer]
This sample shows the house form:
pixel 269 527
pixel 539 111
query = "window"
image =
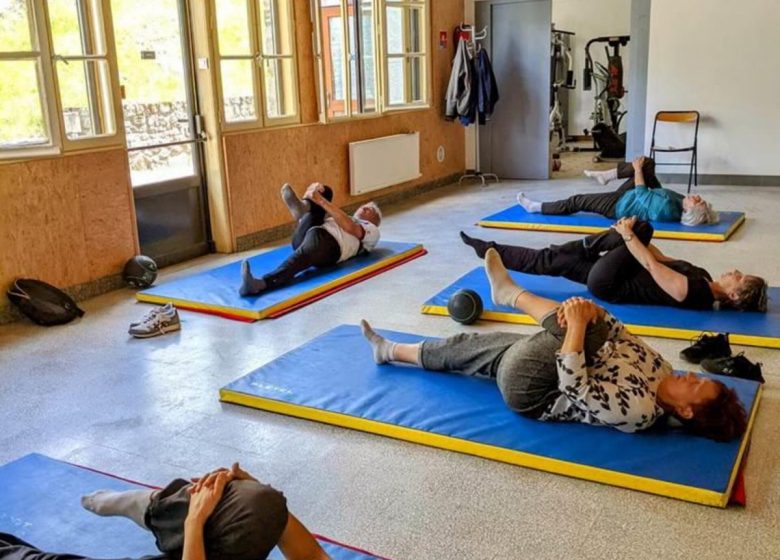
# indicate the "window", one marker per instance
pixel 71 76
pixel 354 60
pixel 24 115
pixel 257 66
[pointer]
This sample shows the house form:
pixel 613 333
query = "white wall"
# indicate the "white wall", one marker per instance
pixel 589 19
pixel 720 57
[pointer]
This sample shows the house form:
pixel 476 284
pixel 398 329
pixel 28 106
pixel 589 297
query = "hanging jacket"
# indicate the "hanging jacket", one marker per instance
pixel 487 89
pixel 460 91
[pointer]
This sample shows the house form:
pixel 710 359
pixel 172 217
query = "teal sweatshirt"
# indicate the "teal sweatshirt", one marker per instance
pixel 660 205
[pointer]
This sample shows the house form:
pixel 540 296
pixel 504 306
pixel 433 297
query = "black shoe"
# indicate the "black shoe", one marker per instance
pixel 707 346
pixel 734 366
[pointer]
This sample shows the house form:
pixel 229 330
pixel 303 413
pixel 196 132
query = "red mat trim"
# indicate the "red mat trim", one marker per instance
pixel 304 303
pixel 346 285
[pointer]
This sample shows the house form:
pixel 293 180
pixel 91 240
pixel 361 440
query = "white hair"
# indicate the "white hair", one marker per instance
pixel 698 214
pixel 376 209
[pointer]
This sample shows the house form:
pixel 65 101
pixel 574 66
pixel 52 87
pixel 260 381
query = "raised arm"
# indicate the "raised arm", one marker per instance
pixel 670 281
pixel 343 219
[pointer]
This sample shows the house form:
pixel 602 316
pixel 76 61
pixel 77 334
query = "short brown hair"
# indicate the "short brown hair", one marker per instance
pixel 722 418
pixel 751 295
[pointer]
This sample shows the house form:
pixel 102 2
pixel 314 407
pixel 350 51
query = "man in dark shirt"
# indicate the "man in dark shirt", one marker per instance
pixel 622 266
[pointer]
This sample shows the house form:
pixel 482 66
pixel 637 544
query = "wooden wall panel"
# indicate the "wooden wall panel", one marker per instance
pixel 66 220
pixel 259 162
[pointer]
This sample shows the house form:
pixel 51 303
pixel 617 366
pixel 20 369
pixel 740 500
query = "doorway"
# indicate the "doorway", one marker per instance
pixel 162 125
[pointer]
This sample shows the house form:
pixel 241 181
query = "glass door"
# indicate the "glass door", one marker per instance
pixel 163 128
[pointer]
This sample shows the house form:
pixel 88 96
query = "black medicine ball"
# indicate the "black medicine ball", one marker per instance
pixel 140 272
pixel 465 306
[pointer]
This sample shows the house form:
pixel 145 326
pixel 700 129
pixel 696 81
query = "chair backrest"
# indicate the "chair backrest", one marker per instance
pixel 681 117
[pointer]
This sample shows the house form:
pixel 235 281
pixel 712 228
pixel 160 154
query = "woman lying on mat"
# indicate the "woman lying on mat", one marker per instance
pixel 622 266
pixel 325 235
pixel 225 514
pixel 583 367
pixel 641 196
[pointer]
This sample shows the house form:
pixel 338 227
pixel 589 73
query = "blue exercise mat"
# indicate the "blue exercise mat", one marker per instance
pixel 40 503
pixel 216 290
pixel 750 328
pixel 334 379
pixel 515 217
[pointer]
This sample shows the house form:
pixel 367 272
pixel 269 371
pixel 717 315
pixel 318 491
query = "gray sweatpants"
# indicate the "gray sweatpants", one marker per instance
pixel 522 365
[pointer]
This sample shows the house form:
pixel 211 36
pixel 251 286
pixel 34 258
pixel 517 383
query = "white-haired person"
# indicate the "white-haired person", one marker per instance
pixel 325 235
pixel 641 195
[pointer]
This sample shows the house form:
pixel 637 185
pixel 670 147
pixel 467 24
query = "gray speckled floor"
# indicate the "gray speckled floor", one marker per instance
pixel 149 410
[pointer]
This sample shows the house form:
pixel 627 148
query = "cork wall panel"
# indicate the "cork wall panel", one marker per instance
pixel 67 220
pixel 259 162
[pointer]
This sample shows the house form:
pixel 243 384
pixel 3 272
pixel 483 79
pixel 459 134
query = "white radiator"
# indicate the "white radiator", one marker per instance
pixel 382 162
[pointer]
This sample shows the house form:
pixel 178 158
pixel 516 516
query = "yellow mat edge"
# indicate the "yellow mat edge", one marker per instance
pixel 659 233
pixel 641 330
pixel 745 440
pixel 264 312
pixel 556 466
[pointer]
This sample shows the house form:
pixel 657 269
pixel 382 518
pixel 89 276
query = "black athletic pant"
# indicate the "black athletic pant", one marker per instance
pixel 14 548
pixel 613 276
pixel 603 203
pixel 313 245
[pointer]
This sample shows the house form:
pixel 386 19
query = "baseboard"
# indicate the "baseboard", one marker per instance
pixel 727 180
pixel 79 292
pixel 258 238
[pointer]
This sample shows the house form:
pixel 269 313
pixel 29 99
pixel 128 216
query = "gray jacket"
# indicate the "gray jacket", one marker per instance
pixel 459 91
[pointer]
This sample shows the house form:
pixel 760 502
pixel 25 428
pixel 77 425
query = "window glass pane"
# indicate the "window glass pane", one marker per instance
pixel 280 87
pixel 152 73
pixel 161 164
pixel 395 31
pixel 69 28
pixel 333 43
pixel 367 55
pixel 14 27
pixel 233 27
pixel 238 93
pixel 276 26
pixel 396 83
pixel 417 79
pixel 21 115
pixel 415 30
pixel 86 106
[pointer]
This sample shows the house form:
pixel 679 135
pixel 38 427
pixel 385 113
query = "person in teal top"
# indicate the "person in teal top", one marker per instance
pixel 647 199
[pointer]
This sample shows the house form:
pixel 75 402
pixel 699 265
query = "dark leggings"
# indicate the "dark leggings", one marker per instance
pixel 14 548
pixel 613 276
pixel 603 203
pixel 312 244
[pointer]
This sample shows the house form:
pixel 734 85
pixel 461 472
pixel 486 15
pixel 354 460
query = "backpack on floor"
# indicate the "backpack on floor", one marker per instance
pixel 43 303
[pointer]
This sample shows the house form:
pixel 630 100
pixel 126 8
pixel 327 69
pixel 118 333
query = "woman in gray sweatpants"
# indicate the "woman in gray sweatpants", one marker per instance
pixel 523 366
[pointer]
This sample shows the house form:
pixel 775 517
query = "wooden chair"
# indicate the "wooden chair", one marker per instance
pixel 690 118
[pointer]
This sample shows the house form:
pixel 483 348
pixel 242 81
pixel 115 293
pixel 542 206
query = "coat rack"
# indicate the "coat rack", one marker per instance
pixel 468 34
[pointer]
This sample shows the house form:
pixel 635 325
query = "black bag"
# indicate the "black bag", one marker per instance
pixel 43 303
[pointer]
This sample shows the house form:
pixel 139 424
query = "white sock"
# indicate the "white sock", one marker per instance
pixel 131 504
pixel 530 205
pixel 383 348
pixel 602 177
pixel 503 290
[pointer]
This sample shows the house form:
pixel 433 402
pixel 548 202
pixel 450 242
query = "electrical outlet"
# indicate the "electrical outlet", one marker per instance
pixel 440 154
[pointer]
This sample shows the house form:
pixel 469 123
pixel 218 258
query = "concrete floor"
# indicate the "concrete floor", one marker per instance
pixel 149 410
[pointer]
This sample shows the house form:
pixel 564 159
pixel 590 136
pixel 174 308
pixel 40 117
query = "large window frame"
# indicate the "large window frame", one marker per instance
pixel 259 55
pixel 105 106
pixel 353 93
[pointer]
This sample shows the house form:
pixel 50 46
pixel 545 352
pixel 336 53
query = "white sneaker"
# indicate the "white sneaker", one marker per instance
pixel 156 325
pixel 166 309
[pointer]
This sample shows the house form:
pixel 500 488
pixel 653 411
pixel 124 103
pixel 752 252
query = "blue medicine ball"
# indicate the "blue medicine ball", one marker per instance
pixel 140 272
pixel 465 306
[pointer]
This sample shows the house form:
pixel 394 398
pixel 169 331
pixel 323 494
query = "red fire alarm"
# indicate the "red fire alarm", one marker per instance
pixel 442 39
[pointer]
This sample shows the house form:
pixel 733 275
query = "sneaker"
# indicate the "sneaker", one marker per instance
pixel 156 325
pixel 707 346
pixel 166 309
pixel 734 366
